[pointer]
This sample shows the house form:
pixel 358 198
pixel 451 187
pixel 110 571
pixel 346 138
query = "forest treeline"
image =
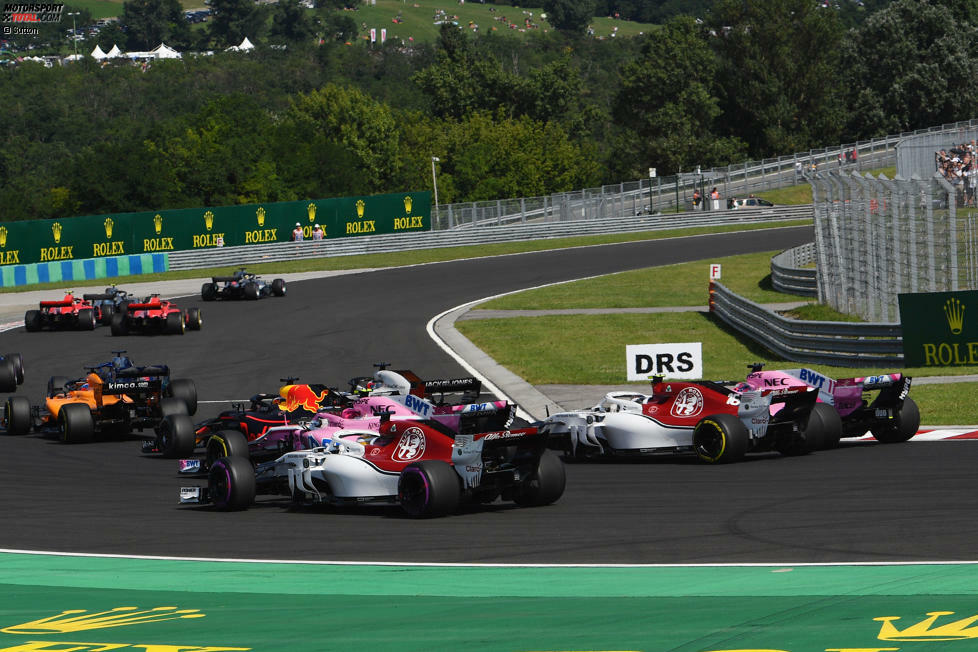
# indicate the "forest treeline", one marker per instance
pixel 506 116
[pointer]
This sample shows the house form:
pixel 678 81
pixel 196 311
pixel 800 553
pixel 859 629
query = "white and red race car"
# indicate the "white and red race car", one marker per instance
pixel 717 423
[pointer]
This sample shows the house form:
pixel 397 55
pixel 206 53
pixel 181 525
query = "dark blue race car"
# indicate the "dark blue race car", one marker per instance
pixel 242 285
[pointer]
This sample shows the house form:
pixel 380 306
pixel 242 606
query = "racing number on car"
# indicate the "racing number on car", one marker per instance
pixel 411 445
pixel 688 403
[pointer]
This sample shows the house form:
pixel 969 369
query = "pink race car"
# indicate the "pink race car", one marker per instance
pixel 891 416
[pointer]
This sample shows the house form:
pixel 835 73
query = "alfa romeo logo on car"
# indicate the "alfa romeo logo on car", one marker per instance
pixel 411 445
pixel 688 403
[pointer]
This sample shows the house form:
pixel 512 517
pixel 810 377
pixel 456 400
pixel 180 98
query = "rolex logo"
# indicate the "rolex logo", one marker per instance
pixel 79 620
pixel 158 223
pixel 56 231
pixel 407 204
pixel 311 210
pixel 108 224
pixel 260 214
pixel 954 311
pixel 360 206
pixel 209 220
pixel 928 630
pixel 3 236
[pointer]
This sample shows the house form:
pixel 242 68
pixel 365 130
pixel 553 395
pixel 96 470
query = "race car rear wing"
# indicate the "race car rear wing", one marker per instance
pixel 223 279
pixel 96 297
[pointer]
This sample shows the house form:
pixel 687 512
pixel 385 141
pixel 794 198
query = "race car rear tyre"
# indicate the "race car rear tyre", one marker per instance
pixel 175 436
pixel 903 425
pixel 170 406
pixel 831 424
pixel 8 375
pixel 545 485
pixel 185 390
pixel 75 424
pixel 208 291
pixel 278 287
pixel 33 320
pixel 18 361
pixel 18 414
pixel 429 488
pixel 251 292
pixel 231 483
pixel 720 438
pixel 86 320
pixel 118 325
pixel 175 324
pixel 56 385
pixel 107 312
pixel 226 443
pixel 194 320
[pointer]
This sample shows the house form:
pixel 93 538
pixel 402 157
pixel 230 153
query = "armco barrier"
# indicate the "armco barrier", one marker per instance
pixel 393 243
pixel 789 275
pixel 78 270
pixel 842 344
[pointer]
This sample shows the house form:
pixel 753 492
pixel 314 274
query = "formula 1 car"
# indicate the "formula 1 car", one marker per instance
pixel 892 416
pixel 113 399
pixel 155 315
pixel 69 312
pixel 241 285
pixel 11 372
pixel 415 464
pixel 707 418
pixel 110 302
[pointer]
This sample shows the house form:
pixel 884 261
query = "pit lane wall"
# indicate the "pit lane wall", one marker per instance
pixel 100 246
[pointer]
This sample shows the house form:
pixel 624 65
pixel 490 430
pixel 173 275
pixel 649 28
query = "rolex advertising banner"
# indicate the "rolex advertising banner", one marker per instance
pixel 940 329
pixel 95 236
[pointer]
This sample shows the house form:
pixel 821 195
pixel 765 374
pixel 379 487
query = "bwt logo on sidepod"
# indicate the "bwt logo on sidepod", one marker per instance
pixel 421 406
pixel 411 445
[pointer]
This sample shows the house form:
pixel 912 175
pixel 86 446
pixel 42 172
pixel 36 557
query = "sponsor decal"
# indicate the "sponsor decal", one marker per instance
pixel 411 445
pixel 688 403
pixel 418 405
pixel 503 434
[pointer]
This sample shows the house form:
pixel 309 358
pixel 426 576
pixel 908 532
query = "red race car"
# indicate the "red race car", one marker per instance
pixel 70 312
pixel 155 315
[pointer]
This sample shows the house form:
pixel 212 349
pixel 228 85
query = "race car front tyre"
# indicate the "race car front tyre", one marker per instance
pixel 251 292
pixel 194 320
pixel 903 425
pixel 545 485
pixel 429 488
pixel 18 415
pixel 208 291
pixel 75 423
pixel 175 436
pixel 56 385
pixel 278 287
pixel 231 483
pixel 720 438
pixel 18 361
pixel 86 320
pixel 175 324
pixel 171 405
pixel 8 375
pixel 118 324
pixel 185 390
pixel 33 321
pixel 226 443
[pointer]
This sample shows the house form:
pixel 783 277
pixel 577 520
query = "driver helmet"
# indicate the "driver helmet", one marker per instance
pixel 742 387
pixel 349 413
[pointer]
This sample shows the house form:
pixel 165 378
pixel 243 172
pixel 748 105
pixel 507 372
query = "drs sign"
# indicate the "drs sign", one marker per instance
pixel 670 360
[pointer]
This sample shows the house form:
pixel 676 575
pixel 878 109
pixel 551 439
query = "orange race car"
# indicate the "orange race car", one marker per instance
pixel 114 398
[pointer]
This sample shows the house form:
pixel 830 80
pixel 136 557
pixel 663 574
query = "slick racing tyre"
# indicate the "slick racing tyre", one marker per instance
pixel 429 488
pixel 86 320
pixel 185 390
pixel 226 443
pixel 208 291
pixel 175 324
pixel 118 325
pixel 831 424
pixel 545 485
pixel 194 320
pixel 251 292
pixel 18 361
pixel 231 483
pixel 33 321
pixel 75 424
pixel 278 287
pixel 172 405
pixel 18 415
pixel 175 436
pixel 107 312
pixel 720 438
pixel 56 385
pixel 8 375
pixel 903 425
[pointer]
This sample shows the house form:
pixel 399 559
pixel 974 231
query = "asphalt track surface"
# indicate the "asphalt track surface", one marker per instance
pixel 862 503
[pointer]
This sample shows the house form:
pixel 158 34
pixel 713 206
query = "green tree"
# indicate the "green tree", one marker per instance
pixel 232 21
pixel 569 16
pixel 151 22
pixel 293 22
